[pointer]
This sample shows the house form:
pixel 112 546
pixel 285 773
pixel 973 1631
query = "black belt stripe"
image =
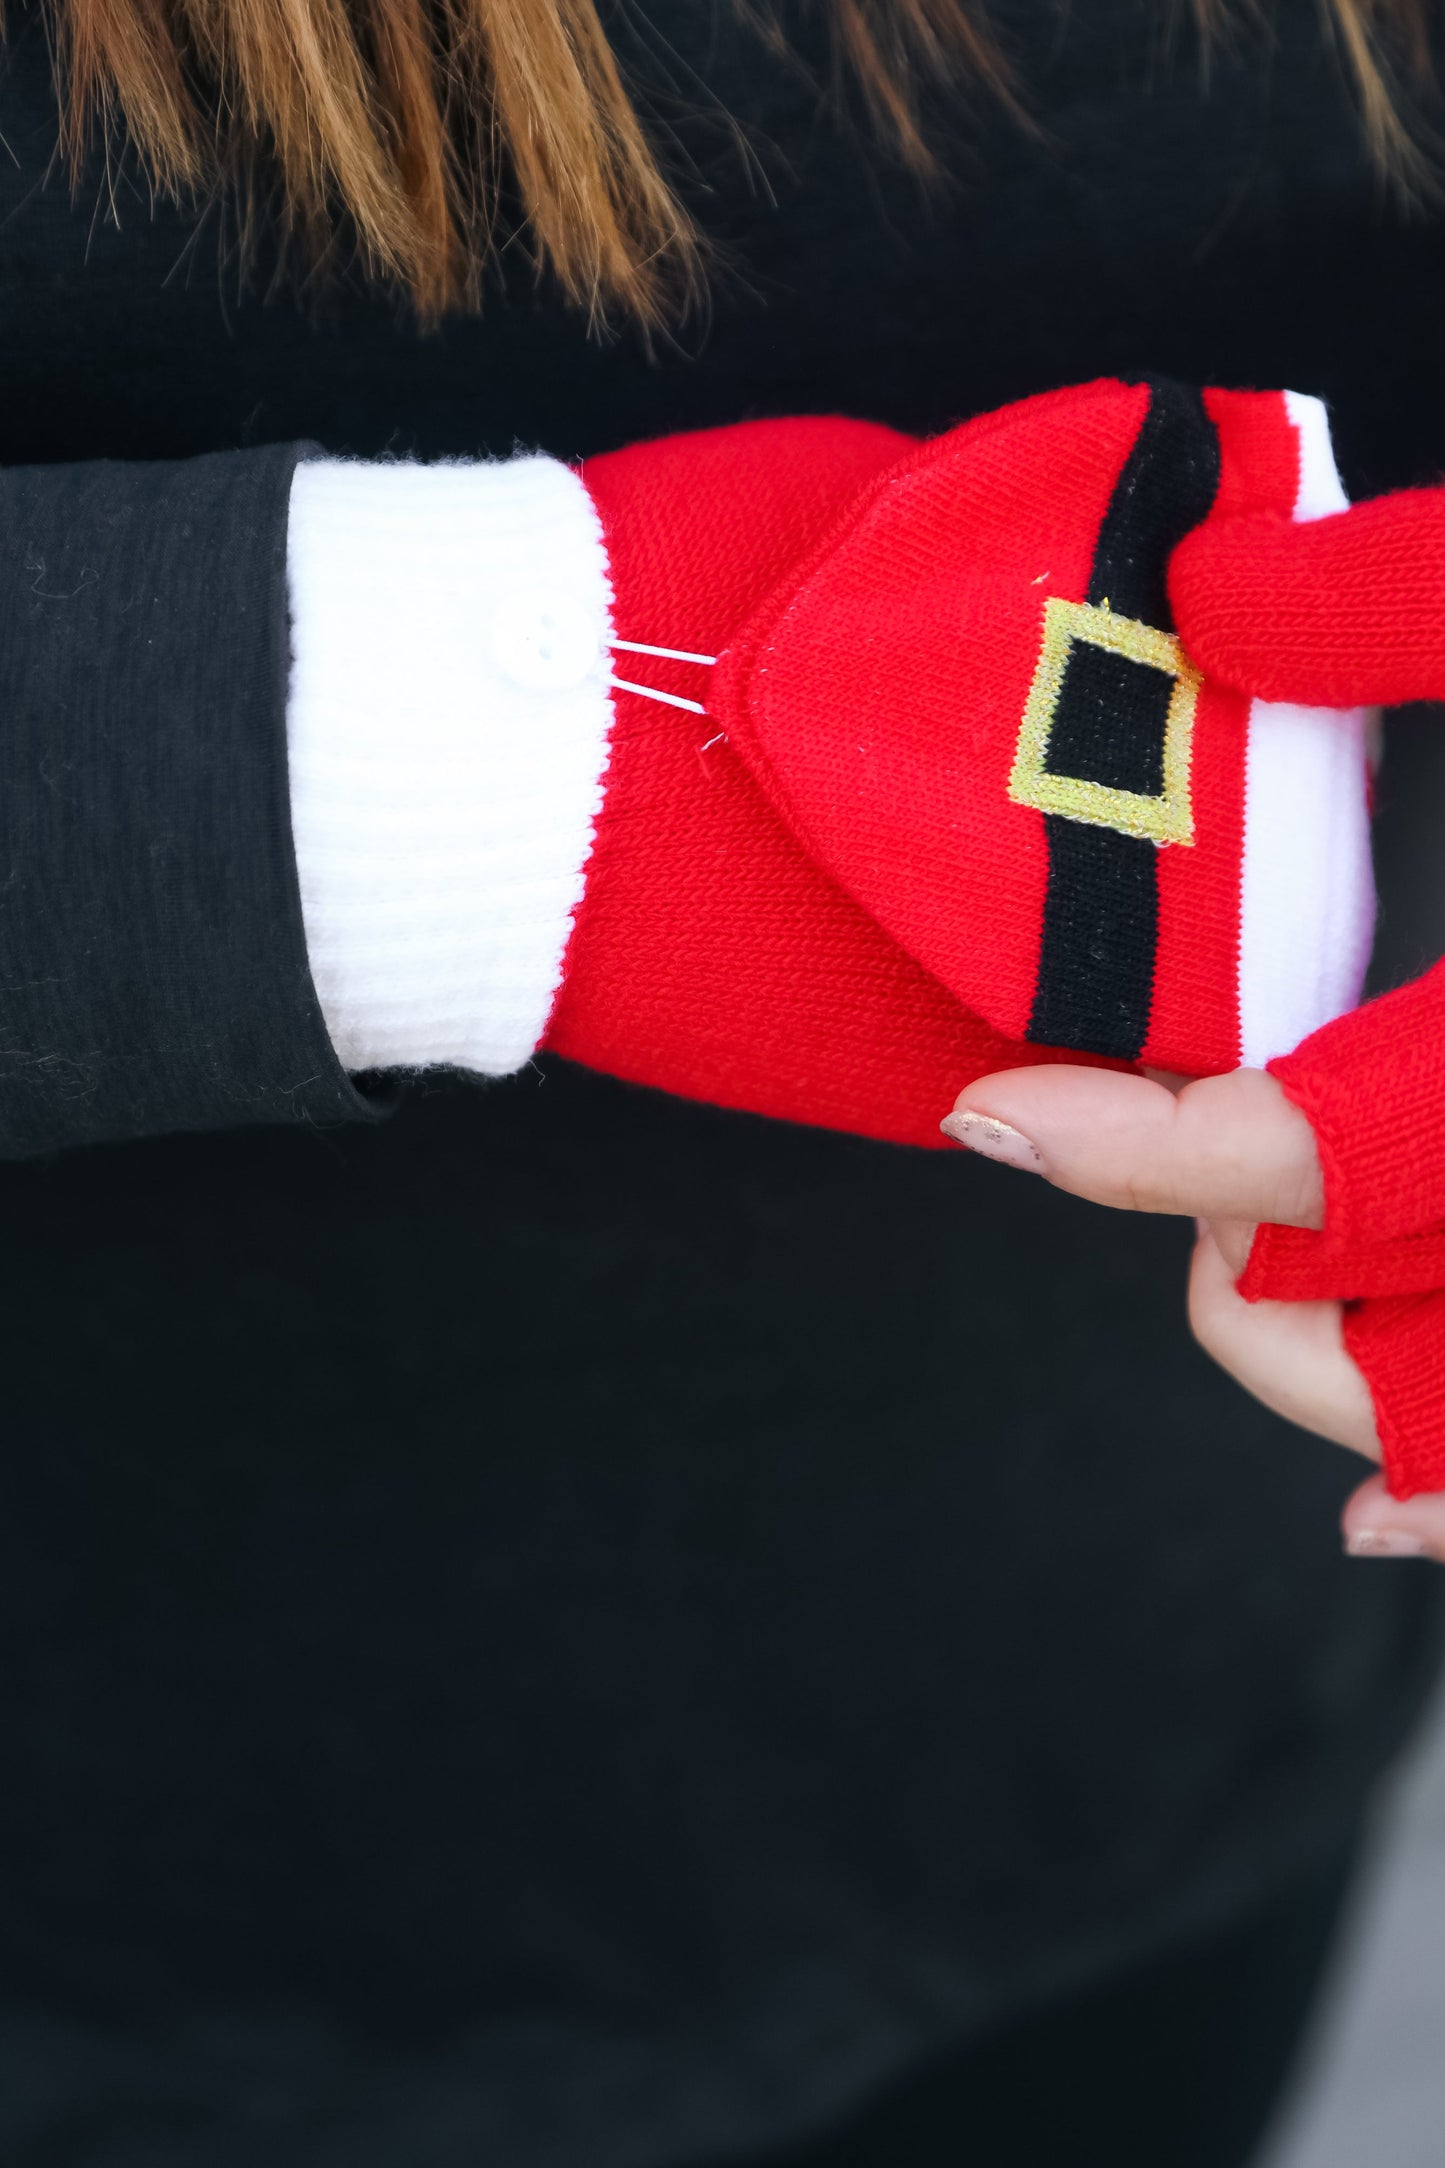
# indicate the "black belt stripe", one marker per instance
pixel 1101 910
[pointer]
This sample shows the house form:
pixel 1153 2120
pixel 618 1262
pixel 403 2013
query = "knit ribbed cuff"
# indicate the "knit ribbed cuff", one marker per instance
pixel 447 726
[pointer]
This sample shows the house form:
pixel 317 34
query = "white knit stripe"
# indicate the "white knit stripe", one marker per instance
pixel 443 810
pixel 1320 490
pixel 1307 899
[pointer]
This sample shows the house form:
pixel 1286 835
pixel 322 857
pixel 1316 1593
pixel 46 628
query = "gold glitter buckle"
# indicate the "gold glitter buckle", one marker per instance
pixel 1161 817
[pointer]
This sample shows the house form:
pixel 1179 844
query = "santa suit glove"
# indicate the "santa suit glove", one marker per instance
pixel 1352 607
pixel 807 769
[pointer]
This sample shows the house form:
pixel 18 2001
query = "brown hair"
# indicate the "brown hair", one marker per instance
pixel 400 120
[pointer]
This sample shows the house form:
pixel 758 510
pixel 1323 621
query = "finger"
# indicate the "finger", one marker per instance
pixel 1376 1525
pixel 1290 1355
pixel 1338 612
pixel 1226 1148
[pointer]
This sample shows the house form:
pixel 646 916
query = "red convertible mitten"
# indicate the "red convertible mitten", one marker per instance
pixel 812 770
pixel 950 705
pixel 1353 608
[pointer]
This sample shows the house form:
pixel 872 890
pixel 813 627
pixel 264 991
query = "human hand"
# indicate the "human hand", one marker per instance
pixel 1229 1151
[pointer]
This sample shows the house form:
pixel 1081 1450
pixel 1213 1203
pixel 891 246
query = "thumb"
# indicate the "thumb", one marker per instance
pixel 1342 612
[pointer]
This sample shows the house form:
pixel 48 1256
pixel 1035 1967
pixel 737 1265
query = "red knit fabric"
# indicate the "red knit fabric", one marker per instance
pixel 908 805
pixel 710 957
pixel 1399 1343
pixel 1290 1264
pixel 1336 612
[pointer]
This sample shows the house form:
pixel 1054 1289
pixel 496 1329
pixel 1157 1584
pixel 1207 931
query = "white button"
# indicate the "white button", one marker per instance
pixel 543 640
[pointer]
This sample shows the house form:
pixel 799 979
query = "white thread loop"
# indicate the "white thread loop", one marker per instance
pixel 667 654
pixel 650 692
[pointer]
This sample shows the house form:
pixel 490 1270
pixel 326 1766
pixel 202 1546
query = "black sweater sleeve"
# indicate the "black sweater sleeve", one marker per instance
pixel 153 971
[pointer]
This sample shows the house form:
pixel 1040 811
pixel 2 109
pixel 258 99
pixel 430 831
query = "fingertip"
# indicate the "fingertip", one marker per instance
pixel 990 1138
pixel 1376 1525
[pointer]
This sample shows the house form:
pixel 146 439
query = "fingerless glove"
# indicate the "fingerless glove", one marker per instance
pixel 1353 608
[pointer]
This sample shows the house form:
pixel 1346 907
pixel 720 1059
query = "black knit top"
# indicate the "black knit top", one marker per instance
pixel 545 1625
